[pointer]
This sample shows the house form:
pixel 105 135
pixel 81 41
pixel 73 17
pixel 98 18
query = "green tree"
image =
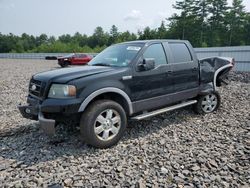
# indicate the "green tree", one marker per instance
pixel 217 10
pixel 83 41
pixel 182 21
pixel 161 31
pixel 114 34
pixel 8 42
pixel 126 36
pixel 43 38
pixel 246 29
pixel 76 38
pixel 147 34
pixel 99 38
pixel 200 11
pixel 188 23
pixel 51 40
pixel 235 20
pixel 65 38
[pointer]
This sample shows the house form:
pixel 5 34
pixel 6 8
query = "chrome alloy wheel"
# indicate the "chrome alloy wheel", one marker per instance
pixel 209 103
pixel 107 124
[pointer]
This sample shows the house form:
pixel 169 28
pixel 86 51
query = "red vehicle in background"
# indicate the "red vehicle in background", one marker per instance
pixel 74 59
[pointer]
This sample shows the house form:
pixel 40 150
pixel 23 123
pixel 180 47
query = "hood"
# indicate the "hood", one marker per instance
pixel 65 75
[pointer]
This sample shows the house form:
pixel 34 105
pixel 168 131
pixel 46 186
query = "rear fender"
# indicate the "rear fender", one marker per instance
pixel 213 69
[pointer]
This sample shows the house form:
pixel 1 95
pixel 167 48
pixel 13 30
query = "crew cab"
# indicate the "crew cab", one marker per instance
pixel 74 59
pixel 135 80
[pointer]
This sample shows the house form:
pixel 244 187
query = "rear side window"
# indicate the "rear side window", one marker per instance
pixel 180 52
pixel 83 55
pixel 156 52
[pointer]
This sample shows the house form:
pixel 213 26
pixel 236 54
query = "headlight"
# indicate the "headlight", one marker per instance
pixel 61 91
pixel 66 59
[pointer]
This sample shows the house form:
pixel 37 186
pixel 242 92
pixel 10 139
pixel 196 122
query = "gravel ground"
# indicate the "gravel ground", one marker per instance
pixel 176 149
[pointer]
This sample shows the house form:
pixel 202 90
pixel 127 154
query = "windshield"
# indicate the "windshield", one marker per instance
pixel 69 55
pixel 118 55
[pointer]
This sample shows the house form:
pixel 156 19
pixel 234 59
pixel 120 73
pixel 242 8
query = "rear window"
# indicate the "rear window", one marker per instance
pixel 180 52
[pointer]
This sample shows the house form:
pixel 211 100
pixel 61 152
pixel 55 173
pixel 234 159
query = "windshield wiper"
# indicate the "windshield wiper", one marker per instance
pixel 101 64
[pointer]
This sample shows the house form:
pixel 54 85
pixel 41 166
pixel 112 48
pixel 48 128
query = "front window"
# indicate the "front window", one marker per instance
pixel 118 55
pixel 156 53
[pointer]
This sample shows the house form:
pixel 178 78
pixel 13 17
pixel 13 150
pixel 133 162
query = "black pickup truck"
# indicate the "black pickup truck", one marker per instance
pixel 135 80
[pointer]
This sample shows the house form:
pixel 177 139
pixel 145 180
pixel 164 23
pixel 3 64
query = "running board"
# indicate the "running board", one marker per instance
pixel 163 110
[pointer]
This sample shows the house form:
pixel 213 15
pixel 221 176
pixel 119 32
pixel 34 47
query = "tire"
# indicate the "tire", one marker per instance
pixel 207 103
pixel 97 127
pixel 65 64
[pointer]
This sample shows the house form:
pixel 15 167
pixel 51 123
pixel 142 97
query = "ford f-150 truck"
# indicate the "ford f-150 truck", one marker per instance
pixel 135 80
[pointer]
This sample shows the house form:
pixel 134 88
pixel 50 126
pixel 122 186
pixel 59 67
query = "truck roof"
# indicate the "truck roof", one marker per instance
pixel 155 40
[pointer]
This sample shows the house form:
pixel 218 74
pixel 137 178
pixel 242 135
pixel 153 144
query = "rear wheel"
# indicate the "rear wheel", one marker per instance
pixel 207 103
pixel 103 123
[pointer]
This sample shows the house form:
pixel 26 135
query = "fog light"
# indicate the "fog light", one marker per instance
pixel 27 110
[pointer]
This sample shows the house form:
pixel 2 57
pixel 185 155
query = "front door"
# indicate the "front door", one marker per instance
pixel 150 87
pixel 77 59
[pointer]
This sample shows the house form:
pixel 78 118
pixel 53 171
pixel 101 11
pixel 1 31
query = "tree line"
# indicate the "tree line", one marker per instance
pixel 205 23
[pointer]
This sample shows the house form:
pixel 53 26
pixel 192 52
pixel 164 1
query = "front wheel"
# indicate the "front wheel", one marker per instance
pixel 103 123
pixel 65 64
pixel 207 103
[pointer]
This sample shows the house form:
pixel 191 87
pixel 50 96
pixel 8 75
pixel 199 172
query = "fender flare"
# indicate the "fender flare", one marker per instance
pixel 106 90
pixel 218 71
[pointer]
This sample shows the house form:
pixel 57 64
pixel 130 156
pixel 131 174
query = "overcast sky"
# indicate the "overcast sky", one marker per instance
pixel 57 17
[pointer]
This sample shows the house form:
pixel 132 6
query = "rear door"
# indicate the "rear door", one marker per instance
pixel 78 59
pixel 184 66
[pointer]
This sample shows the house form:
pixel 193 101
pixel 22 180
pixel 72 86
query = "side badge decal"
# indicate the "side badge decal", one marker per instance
pixel 127 77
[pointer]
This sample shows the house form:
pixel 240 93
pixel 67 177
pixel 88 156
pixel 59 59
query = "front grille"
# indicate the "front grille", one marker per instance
pixel 36 88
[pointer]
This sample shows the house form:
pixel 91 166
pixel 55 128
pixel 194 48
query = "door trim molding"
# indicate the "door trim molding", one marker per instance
pixel 163 100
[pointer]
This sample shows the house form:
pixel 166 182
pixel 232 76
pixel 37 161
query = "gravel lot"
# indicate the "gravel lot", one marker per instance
pixel 176 149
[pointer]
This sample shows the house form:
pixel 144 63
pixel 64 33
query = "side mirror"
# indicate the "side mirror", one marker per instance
pixel 146 64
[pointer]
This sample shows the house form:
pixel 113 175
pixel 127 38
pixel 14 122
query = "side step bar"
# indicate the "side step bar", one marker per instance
pixel 163 110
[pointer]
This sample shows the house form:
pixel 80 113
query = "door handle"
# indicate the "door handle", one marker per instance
pixel 169 71
pixel 195 69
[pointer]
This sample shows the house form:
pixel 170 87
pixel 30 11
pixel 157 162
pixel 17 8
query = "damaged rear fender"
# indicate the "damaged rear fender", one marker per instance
pixel 214 69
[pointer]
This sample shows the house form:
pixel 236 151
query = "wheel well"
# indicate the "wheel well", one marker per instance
pixel 114 97
pixel 223 72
